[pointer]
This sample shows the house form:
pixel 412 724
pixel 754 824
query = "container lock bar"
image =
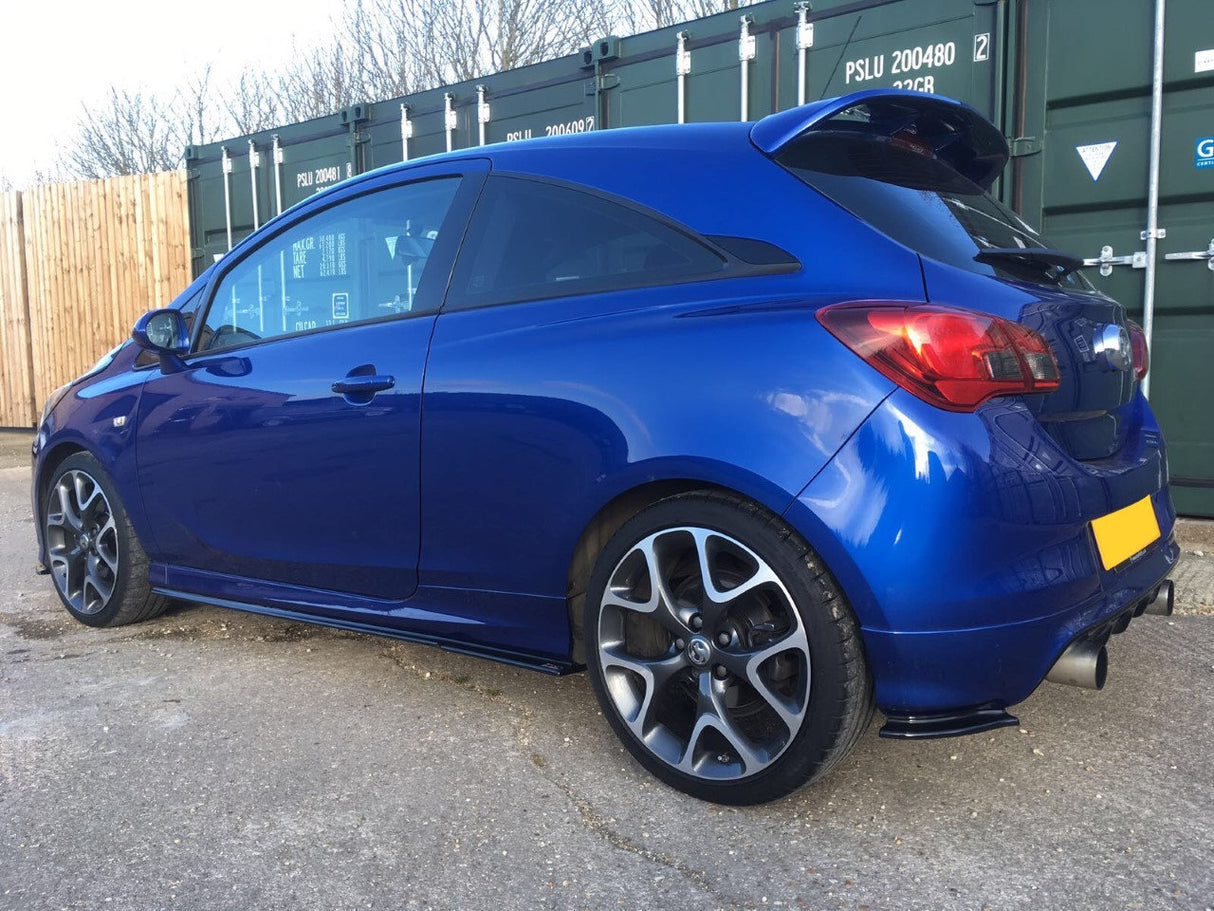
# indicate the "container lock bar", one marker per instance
pixel 406 132
pixel 482 112
pixel 226 160
pixel 746 53
pixel 254 161
pixel 1153 232
pixel 682 69
pixel 805 40
pixel 278 159
pixel 450 119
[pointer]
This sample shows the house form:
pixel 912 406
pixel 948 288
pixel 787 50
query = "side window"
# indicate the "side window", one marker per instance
pixel 531 240
pixel 362 259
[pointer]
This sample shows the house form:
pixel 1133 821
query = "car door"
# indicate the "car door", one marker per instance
pixel 281 460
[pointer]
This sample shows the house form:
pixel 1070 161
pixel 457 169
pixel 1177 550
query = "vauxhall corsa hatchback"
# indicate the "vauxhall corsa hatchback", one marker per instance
pixel 764 424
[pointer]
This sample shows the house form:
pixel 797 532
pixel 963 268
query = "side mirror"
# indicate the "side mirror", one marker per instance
pixel 163 332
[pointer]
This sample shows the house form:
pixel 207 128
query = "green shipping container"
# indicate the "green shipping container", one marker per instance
pixel 1073 84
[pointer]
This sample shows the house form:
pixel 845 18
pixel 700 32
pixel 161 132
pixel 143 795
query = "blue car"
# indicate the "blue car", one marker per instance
pixel 764 424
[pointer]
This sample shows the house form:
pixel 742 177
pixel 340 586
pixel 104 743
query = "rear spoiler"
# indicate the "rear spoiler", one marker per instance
pixel 948 130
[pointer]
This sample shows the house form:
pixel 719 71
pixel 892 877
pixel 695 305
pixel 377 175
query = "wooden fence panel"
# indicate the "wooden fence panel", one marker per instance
pixel 97 255
pixel 17 405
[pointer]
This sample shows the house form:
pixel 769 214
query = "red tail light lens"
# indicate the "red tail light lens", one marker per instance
pixel 1138 346
pixel 952 358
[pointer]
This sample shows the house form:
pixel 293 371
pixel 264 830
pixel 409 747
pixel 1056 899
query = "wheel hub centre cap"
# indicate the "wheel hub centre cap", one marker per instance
pixel 84 541
pixel 699 651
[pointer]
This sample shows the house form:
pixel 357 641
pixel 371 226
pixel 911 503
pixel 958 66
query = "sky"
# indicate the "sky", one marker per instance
pixel 61 54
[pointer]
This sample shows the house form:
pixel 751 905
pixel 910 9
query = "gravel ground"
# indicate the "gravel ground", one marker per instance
pixel 212 759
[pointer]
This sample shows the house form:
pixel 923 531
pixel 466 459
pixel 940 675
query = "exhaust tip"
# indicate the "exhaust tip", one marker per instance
pixel 1084 664
pixel 1100 673
pixel 1163 600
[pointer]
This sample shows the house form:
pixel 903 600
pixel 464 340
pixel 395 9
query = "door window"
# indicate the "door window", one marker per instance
pixel 363 259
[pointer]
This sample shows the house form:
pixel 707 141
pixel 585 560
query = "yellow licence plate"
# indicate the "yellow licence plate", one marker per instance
pixel 1123 533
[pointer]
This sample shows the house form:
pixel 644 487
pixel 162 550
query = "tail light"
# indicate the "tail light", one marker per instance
pixel 952 358
pixel 1138 348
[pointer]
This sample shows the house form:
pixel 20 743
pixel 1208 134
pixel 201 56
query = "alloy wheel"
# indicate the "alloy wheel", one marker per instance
pixel 703 653
pixel 82 541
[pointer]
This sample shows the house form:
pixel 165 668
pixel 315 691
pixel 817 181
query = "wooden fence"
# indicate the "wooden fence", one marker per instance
pixel 16 354
pixel 78 263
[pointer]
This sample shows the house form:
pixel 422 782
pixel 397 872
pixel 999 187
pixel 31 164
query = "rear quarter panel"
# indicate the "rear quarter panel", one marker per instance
pixel 536 415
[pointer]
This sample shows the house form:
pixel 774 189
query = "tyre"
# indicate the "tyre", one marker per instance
pixel 722 652
pixel 99 567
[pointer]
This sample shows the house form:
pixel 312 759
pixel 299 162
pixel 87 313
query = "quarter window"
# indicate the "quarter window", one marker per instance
pixel 361 260
pixel 532 240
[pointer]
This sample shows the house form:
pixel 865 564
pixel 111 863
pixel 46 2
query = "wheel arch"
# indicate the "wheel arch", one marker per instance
pixel 609 518
pixel 51 460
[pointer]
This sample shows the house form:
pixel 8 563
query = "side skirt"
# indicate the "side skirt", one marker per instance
pixel 544 665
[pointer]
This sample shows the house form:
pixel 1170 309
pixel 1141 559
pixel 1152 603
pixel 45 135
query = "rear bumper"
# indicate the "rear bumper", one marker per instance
pixel 959 671
pixel 964 543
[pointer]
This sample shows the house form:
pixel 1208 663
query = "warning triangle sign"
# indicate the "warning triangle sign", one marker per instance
pixel 1096 156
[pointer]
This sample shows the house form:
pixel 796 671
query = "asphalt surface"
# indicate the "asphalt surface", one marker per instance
pixel 213 759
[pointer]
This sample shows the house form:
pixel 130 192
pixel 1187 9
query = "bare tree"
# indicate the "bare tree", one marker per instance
pixel 403 46
pixel 251 102
pixel 377 49
pixel 130 132
pixel 631 16
pixel 319 80
pixel 55 172
pixel 200 109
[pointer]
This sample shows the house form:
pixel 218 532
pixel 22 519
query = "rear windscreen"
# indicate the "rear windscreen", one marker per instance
pixel 920 201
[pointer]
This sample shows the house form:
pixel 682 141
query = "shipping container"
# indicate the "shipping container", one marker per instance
pixel 1108 109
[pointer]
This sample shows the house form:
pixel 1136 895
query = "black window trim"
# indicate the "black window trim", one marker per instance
pixel 471 172
pixel 732 265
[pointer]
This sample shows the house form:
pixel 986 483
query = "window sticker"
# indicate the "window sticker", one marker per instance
pixel 341 305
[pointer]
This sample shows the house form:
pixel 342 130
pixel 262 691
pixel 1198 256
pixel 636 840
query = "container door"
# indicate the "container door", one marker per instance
pixel 237 185
pixel 1088 189
pixel 780 57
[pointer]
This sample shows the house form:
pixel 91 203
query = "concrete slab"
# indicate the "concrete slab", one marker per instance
pixel 213 759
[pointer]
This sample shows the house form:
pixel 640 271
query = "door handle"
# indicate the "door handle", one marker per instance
pixel 363 385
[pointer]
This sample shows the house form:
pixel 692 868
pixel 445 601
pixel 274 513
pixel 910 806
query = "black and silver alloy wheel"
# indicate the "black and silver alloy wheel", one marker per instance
pixel 722 652
pixel 703 653
pixel 82 542
pixel 99 567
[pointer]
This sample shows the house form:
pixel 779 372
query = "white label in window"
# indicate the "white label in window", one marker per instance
pixel 341 305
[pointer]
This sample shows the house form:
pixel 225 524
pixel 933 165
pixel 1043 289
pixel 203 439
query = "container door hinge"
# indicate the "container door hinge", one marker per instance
pixel 1023 145
pixel 1106 260
pixel 1206 254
